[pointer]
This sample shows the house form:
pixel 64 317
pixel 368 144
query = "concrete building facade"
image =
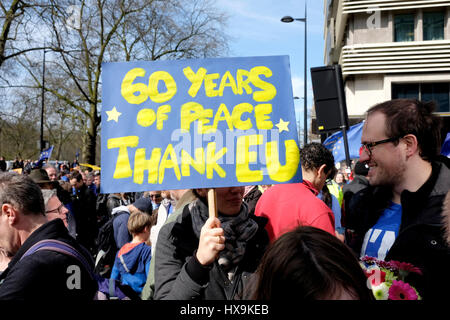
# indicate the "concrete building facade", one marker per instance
pixel 390 49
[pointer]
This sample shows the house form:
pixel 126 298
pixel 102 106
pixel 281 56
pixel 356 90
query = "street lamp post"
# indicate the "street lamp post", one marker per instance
pixel 42 104
pixel 289 19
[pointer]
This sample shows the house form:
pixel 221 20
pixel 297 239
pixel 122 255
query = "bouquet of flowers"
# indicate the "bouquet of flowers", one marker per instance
pixel 387 279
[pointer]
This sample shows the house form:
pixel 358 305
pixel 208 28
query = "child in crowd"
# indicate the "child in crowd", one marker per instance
pixel 133 259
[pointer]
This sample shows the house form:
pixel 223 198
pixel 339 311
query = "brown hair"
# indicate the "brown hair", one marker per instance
pixel 76 175
pixel 309 264
pixel 411 116
pixel 138 221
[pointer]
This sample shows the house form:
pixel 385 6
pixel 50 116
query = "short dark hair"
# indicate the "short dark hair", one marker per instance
pixel 309 264
pixel 314 154
pixel 411 116
pixel 22 193
pixel 75 174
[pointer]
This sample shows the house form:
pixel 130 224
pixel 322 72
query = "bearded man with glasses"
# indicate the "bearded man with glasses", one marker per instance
pixel 399 217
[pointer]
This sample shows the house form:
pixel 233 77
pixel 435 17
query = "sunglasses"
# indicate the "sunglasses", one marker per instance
pixel 156 196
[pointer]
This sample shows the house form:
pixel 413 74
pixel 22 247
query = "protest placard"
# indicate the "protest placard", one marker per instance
pixel 201 123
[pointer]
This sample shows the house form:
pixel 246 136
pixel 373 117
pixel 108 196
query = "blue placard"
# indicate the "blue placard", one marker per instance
pixel 200 123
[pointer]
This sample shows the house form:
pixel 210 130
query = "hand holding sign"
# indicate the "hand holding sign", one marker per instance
pixel 212 241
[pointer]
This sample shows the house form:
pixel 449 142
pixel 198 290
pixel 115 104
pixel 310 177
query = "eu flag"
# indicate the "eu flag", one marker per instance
pixel 46 154
pixel 335 143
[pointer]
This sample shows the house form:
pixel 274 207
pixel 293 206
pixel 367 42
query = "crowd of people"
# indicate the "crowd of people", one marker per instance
pixel 300 241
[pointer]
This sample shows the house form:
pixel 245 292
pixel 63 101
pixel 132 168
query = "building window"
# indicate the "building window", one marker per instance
pixel 433 26
pixel 403 27
pixel 405 91
pixel 438 91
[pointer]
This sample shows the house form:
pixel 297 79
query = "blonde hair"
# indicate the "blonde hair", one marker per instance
pixel 138 221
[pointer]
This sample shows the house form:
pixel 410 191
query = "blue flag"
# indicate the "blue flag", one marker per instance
pixel 335 143
pixel 445 150
pixel 46 154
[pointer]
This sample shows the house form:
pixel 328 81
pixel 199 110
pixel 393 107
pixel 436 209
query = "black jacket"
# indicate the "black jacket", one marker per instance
pixel 84 205
pixel 2 165
pixel 252 199
pixel 175 252
pixel 420 240
pixel 47 274
pixel 357 184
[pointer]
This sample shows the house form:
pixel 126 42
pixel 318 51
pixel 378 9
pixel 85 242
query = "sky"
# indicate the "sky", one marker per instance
pixel 256 30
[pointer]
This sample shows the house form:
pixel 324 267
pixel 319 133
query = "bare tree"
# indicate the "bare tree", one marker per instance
pixel 18 132
pixel 15 21
pixel 122 30
pixel 84 35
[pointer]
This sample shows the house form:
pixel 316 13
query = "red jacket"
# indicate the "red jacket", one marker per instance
pixel 290 205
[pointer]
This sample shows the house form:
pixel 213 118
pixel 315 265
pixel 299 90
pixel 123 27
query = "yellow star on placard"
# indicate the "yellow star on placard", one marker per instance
pixel 113 114
pixel 282 125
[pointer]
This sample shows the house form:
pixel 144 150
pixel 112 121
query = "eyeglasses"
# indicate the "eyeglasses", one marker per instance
pixel 156 196
pixel 367 147
pixel 56 210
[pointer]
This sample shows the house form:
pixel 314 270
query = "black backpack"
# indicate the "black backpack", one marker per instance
pixel 106 248
pixel 101 209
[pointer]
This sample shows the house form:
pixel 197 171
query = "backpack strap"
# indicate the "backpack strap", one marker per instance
pixel 112 289
pixel 61 247
pixel 124 264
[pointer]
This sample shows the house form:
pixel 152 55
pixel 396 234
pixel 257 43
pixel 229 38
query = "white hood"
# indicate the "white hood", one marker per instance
pixel 119 208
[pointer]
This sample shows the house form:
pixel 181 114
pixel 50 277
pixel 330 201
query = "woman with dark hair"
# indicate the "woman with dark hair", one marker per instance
pixel 310 264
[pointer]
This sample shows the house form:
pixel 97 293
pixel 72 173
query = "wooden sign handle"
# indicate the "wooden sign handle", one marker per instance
pixel 212 203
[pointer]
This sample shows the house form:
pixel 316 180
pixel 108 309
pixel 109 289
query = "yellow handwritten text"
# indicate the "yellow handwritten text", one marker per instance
pixel 157 165
pixel 193 111
pixel 205 162
pixel 215 87
pixel 129 89
pixel 147 116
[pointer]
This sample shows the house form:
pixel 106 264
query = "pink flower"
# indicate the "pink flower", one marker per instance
pixel 405 266
pixel 400 290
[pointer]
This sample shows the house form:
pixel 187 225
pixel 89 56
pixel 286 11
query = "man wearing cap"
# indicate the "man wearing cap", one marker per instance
pixel 121 215
pixel 40 176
